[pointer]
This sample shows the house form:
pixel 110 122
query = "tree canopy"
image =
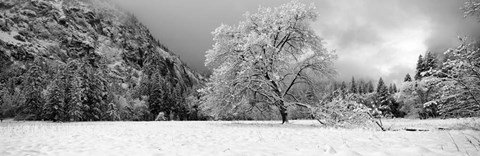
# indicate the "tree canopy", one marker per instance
pixel 265 56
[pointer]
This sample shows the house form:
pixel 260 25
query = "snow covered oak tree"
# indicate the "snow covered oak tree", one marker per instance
pixel 262 58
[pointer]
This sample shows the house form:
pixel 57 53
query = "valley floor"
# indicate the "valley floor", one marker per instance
pixel 300 137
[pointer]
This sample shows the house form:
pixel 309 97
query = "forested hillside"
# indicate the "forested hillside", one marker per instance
pixel 85 60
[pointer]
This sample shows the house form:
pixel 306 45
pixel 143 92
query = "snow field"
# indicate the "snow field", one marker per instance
pixel 232 138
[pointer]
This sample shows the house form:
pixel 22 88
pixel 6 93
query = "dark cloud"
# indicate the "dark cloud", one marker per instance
pixel 373 38
pixel 447 20
pixel 185 26
pixel 384 38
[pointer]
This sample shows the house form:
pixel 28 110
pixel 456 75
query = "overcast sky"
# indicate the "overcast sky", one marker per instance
pixel 373 38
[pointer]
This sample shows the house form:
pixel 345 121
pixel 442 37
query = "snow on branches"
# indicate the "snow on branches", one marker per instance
pixel 461 79
pixel 347 111
pixel 472 8
pixel 265 55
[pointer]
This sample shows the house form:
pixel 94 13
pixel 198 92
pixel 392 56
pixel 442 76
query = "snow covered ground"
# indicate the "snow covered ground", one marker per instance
pixel 237 138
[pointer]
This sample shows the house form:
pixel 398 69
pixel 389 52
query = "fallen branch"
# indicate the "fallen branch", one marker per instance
pixel 379 122
pixel 414 129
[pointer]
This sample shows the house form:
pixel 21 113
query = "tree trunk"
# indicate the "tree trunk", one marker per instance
pixel 283 113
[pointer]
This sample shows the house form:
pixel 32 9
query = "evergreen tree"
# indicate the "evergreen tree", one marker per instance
pixel 424 65
pixel 385 101
pixel 78 96
pixel 33 87
pixel 87 90
pixel 360 89
pixel 407 78
pixel 161 86
pixel 343 87
pixel 65 81
pixel 381 86
pixel 429 63
pixel 395 90
pixel 390 89
pixel 54 107
pixel 96 94
pixel 156 100
pixel 420 68
pixel 353 88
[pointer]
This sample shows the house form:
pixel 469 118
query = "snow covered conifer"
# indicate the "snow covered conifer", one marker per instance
pixel 395 90
pixel 54 106
pixel 420 67
pixel 353 88
pixel 472 8
pixel 343 87
pixel 462 79
pixel 381 86
pixel 360 87
pixel 429 64
pixel 32 88
pixel 407 78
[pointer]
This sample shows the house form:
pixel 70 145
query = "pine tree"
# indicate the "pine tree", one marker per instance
pixel 429 63
pixel 161 86
pixel 54 108
pixel 87 90
pixel 390 89
pixel 343 87
pixel 384 100
pixel 395 90
pixel 361 85
pixel 353 88
pixel 381 86
pixel 96 95
pixel 156 103
pixel 65 82
pixel 78 96
pixel 33 87
pixel 360 89
pixel 420 68
pixel 407 78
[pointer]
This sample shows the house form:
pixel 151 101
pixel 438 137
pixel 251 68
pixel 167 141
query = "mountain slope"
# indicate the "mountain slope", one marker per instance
pixel 53 33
